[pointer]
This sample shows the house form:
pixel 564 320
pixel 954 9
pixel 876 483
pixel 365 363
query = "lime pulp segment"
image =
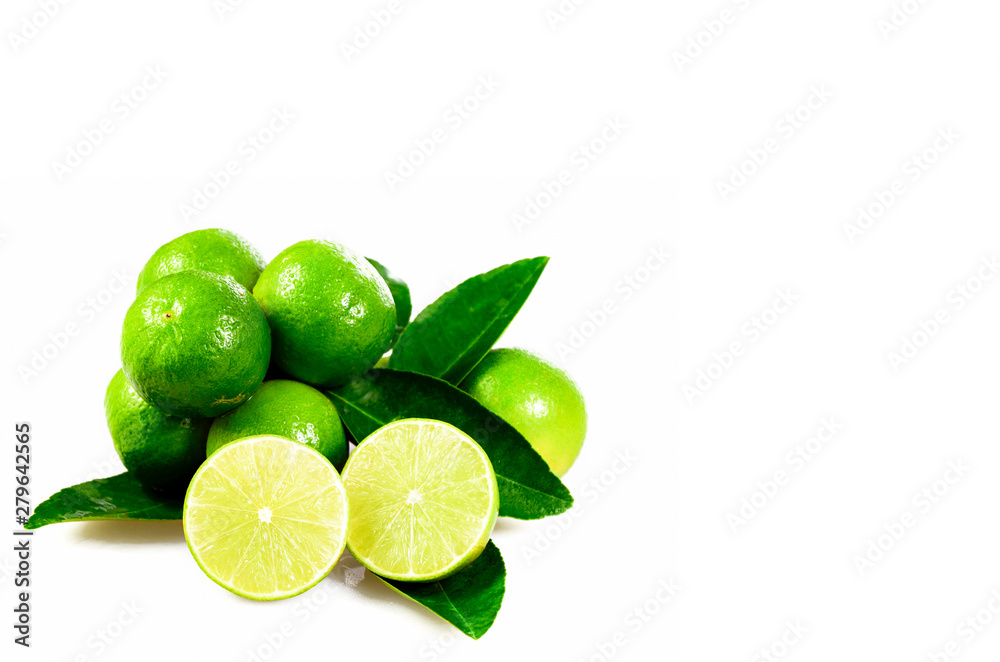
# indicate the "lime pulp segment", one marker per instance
pixel 424 500
pixel 266 517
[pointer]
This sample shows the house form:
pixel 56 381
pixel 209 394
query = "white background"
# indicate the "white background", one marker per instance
pixel 810 572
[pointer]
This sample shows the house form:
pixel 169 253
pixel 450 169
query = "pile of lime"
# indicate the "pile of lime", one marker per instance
pixel 222 397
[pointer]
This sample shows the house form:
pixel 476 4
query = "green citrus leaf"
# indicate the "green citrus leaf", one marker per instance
pixel 450 336
pixel 400 296
pixel 469 599
pixel 528 489
pixel 118 497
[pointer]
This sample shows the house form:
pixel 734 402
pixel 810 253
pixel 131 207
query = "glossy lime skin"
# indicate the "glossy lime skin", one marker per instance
pixel 216 251
pixel 331 314
pixel 161 451
pixel 195 344
pixel 289 409
pixel 537 398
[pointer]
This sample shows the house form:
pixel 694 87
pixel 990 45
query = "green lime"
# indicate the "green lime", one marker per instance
pixel 424 500
pixel 216 251
pixel 287 409
pixel 266 517
pixel 331 313
pixel 195 344
pixel 161 451
pixel 537 398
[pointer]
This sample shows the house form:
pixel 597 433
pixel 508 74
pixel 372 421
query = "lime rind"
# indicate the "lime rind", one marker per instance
pixel 214 250
pixel 424 500
pixel 539 399
pixel 284 408
pixel 266 517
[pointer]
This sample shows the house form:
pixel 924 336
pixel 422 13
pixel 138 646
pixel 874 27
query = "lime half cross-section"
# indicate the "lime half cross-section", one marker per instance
pixel 266 517
pixel 424 500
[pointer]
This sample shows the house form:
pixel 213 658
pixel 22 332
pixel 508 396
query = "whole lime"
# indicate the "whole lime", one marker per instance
pixel 331 313
pixel 216 251
pixel 289 409
pixel 537 398
pixel 195 344
pixel 161 451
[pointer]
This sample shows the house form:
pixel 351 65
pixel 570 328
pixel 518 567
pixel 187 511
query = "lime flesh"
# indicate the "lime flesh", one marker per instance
pixel 266 517
pixel 424 500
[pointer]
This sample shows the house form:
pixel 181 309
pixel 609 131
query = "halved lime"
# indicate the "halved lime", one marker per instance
pixel 266 517
pixel 424 500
